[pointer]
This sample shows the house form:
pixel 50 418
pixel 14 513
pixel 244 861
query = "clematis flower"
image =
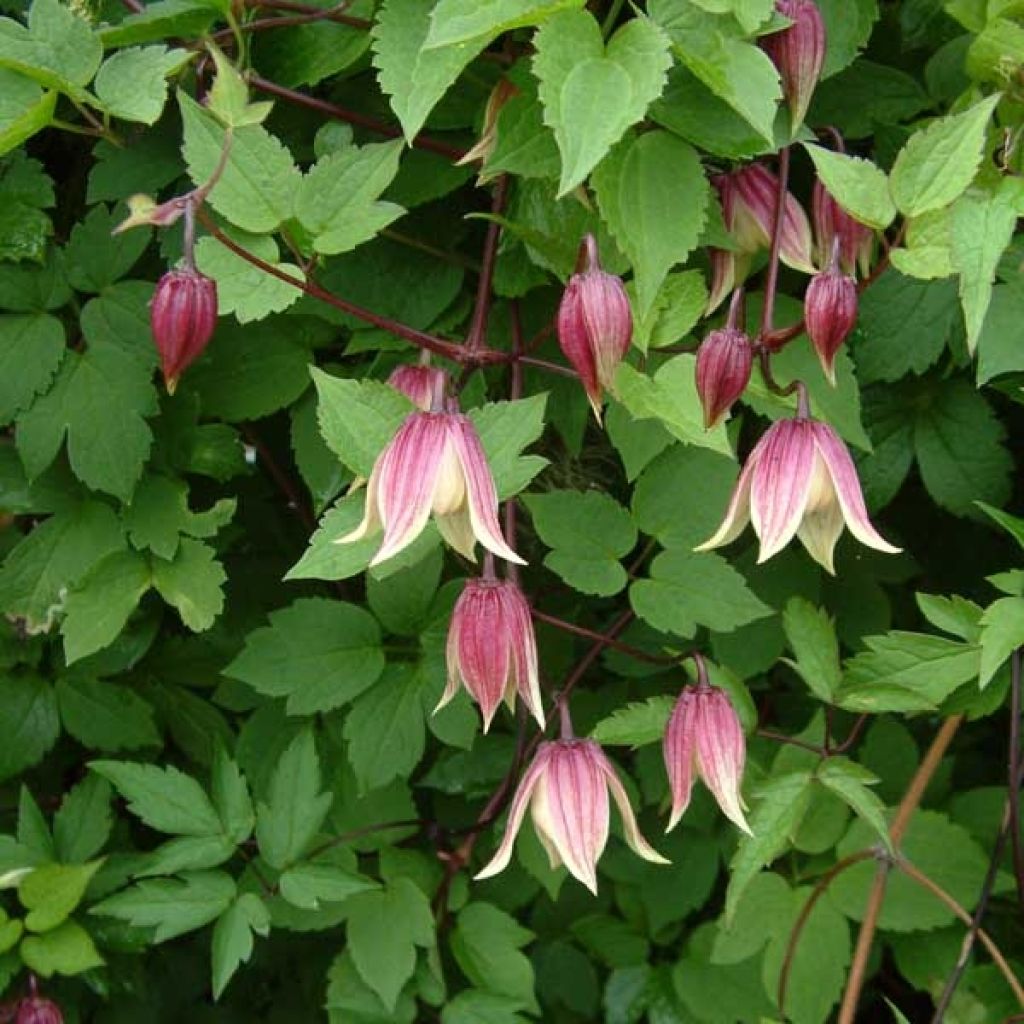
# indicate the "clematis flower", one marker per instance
pixel 830 313
pixel 434 464
pixel 566 788
pixel 492 650
pixel 832 222
pixel 748 196
pixel 704 737
pixel 798 52
pixel 595 325
pixel 723 366
pixel 422 385
pixel 183 316
pixel 799 481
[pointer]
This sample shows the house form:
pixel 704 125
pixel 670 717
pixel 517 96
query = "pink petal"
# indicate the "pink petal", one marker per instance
pixel 371 512
pixel 523 646
pixel 723 277
pixel 721 752
pixel 481 495
pixel 847 485
pixel 608 320
pixel 680 751
pixel 630 828
pixel 517 810
pixel 782 484
pixel 822 524
pixel 420 384
pixel 572 336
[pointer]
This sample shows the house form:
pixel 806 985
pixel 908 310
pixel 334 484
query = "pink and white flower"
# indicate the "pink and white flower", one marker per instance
pixel 722 372
pixel 830 314
pixel 423 385
pixel 435 464
pixel 566 788
pixel 798 52
pixel 492 650
pixel 704 738
pixel 799 481
pixel 831 221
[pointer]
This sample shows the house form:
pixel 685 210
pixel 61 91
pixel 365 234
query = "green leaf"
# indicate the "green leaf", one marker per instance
pixel 812 638
pixel 31 349
pixel 486 944
pixel 384 929
pixel 765 900
pixel 775 818
pixel 83 821
pixel 385 729
pixel 172 906
pixel 99 606
pixel 24 109
pixel 462 21
pixel 413 77
pixel 132 84
pixel 295 807
pixel 28 722
pixel 96 258
pixel 505 429
pixel 50 893
pixel 589 533
pixel 231 798
pixel 105 716
pixel 159 514
pixel 192 583
pixel 998 348
pixel 339 201
pixel 305 885
pixel 164 798
pixel 1002 632
pixel 847 29
pixel 403 601
pixel 257 189
pixel 592 94
pixel 187 853
pixel 232 937
pixel 160 20
pixel 939 162
pixel 686 590
pixel 66 950
pixel 678 306
pixel 955 615
pixel 636 724
pixel 859 187
pixel 849 781
pixel 320 654
pixel 654 196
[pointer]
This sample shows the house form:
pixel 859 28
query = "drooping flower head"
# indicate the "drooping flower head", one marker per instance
pixel 566 788
pixel 798 52
pixel 832 222
pixel 423 385
pixel 723 367
pixel 830 313
pixel 595 325
pixel 799 481
pixel 704 738
pixel 183 315
pixel 435 464
pixel 748 196
pixel 492 650
pixel 38 1010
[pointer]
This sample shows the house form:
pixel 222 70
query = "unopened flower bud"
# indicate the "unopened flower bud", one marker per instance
pixel 183 315
pixel 798 52
pixel 595 325
pixel 831 221
pixel 500 95
pixel 723 372
pixel 830 312
pixel 422 385
pixel 38 1010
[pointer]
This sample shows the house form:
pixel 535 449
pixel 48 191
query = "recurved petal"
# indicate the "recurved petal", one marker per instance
pixel 517 811
pixel 723 277
pixel 630 828
pixel 782 484
pixel 821 528
pixel 721 752
pixel 481 496
pixel 371 515
pixel 457 531
pixel 680 752
pixel 523 645
pixel 847 485
pixel 737 514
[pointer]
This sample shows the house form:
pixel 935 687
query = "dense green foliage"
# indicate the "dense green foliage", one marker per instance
pixel 223 793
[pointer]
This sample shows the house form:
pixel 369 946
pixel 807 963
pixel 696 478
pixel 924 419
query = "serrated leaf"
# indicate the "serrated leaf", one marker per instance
pixel 859 187
pixel 105 716
pixel 505 429
pixel 132 83
pixel 68 949
pixel 83 821
pixel 637 724
pixel 192 583
pixel 1002 632
pixel 850 781
pixel 24 109
pixel 31 349
pixel 28 722
pixel 50 893
pixel 812 638
pixel 461 21
pixel 231 798
pixel 233 937
pixel 305 885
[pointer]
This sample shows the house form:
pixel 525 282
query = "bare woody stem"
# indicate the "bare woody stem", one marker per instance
pixel 476 337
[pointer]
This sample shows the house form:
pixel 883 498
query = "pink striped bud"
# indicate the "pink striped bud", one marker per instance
pixel 723 372
pixel 566 788
pixel 435 464
pixel 38 1010
pixel 183 315
pixel 798 52
pixel 595 325
pixel 492 650
pixel 831 221
pixel 423 385
pixel 830 312
pixel 799 481
pixel 704 738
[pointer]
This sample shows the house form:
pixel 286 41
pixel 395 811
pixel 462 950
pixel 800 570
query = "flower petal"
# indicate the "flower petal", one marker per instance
pixel 483 645
pixel 723 276
pixel 457 532
pixel 822 524
pixel 680 751
pixel 721 752
pixel 371 522
pixel 782 484
pixel 851 500
pixel 523 644
pixel 630 829
pixel 737 515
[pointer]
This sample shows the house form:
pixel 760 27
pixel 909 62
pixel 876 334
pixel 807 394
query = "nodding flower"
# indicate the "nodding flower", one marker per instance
pixel 831 221
pixel 492 650
pixel 799 481
pixel 798 52
pixel 830 313
pixel 182 315
pixel 422 385
pixel 723 367
pixel 566 788
pixel 435 465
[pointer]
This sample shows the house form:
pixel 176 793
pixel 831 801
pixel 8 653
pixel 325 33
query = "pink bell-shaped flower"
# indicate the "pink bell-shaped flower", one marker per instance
pixel 492 650
pixel 183 315
pixel 435 464
pixel 830 313
pixel 704 737
pixel 798 52
pixel 566 788
pixel 595 325
pixel 423 385
pixel 723 367
pixel 38 1010
pixel 832 222
pixel 799 481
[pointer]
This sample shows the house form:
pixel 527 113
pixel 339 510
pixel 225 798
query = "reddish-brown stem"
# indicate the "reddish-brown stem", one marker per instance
pixel 267 24
pixel 335 13
pixel 1014 773
pixel 543 364
pixel 618 645
pixel 352 117
pixel 476 336
pixel 284 482
pixel 771 282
